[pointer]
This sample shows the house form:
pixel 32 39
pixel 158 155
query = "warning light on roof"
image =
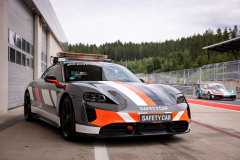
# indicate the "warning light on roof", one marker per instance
pixel 82 56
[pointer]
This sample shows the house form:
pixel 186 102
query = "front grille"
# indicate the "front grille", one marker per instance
pixel 179 126
pixel 221 97
pixel 116 128
pixel 151 126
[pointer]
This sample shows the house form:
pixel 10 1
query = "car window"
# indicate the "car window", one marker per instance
pixel 47 72
pixel 220 87
pixel 99 73
pixel 57 72
pixel 83 73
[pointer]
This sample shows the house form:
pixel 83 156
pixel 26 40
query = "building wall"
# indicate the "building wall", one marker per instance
pixel 52 48
pixel 18 20
pixel 4 56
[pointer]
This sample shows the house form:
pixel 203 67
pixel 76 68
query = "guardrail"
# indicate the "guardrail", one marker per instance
pixel 224 71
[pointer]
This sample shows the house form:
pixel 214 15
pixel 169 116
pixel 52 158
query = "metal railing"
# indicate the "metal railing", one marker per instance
pixel 213 72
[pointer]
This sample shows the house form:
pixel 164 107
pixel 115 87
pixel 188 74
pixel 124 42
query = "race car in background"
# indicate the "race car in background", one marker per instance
pixel 104 99
pixel 215 91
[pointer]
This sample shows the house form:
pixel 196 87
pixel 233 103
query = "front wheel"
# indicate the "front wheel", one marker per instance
pixel 27 108
pixel 68 119
pixel 209 97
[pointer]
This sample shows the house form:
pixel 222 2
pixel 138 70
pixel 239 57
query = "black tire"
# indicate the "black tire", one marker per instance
pixel 197 95
pixel 209 96
pixel 68 119
pixel 27 108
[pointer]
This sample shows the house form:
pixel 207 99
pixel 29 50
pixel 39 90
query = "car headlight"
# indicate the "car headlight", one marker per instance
pixel 181 99
pixel 232 91
pixel 94 97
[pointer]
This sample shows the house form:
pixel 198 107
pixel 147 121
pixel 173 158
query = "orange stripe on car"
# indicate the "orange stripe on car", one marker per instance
pixel 144 97
pixel 37 95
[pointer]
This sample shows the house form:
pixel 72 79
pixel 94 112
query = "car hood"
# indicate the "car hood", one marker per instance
pixel 134 96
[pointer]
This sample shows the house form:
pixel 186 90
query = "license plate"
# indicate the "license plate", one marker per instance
pixel 164 117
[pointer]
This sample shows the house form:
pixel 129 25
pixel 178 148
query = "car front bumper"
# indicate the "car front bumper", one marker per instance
pixel 224 97
pixel 115 124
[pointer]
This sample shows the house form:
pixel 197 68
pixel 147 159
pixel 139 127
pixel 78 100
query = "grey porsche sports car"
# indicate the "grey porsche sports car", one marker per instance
pixel 104 99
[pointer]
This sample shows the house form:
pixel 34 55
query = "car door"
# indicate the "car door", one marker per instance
pixel 50 95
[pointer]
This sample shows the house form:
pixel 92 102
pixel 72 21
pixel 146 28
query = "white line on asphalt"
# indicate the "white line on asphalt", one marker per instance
pixel 100 151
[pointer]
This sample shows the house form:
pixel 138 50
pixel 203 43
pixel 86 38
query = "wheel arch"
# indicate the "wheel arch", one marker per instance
pixel 26 91
pixel 61 103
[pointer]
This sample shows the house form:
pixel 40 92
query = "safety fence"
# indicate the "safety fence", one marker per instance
pixel 224 71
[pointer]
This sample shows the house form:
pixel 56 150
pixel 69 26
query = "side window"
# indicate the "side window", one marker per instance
pixel 47 72
pixel 57 72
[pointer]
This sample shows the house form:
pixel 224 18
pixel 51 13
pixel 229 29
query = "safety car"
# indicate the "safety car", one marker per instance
pixel 215 91
pixel 101 99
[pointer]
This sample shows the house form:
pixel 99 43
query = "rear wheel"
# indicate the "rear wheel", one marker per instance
pixel 209 96
pixel 27 108
pixel 68 119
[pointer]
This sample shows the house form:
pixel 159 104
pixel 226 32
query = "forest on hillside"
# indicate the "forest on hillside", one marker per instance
pixel 183 53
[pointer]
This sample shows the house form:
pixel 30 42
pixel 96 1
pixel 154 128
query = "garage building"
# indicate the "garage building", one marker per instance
pixel 29 34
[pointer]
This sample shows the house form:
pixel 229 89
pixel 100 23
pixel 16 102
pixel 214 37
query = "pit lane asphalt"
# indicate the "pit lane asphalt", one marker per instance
pixel 39 140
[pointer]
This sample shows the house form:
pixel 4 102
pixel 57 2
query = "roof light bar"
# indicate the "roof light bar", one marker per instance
pixel 82 56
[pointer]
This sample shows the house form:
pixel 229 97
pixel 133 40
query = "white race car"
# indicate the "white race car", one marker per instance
pixel 215 91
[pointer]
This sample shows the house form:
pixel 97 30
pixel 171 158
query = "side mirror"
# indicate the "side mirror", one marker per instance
pixel 227 88
pixel 204 87
pixel 50 79
pixel 144 81
pixel 53 79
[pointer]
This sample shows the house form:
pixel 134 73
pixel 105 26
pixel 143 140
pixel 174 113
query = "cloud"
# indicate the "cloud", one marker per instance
pixel 98 22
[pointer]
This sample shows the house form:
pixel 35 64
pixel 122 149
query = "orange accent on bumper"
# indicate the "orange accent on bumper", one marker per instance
pixel 108 117
pixel 185 117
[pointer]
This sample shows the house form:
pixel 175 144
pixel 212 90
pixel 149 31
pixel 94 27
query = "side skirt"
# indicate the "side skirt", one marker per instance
pixel 37 116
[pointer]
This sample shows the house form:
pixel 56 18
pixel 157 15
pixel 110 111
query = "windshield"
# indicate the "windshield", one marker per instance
pixel 216 87
pixel 99 73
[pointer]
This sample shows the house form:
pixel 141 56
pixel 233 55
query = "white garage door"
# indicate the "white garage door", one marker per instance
pixel 20 49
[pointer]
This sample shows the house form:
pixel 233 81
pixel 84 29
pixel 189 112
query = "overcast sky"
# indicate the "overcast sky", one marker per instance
pixel 101 21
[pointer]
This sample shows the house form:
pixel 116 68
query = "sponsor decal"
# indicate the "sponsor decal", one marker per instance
pixel 164 108
pixel 36 104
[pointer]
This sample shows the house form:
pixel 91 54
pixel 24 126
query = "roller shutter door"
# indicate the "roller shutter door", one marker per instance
pixel 21 38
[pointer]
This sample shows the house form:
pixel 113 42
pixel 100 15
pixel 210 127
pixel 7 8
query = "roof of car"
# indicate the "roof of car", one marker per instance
pixel 90 63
